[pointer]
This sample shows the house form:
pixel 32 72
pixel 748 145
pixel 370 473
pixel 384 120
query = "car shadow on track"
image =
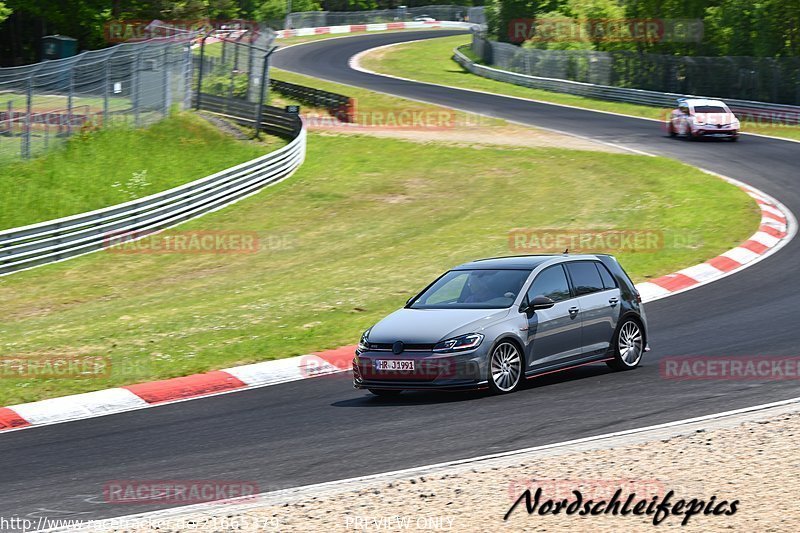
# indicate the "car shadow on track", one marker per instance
pixel 422 397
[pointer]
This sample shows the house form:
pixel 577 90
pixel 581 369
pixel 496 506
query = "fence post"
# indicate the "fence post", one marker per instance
pixel 107 84
pixel 69 100
pixel 202 67
pixel 188 66
pixel 167 92
pixel 264 95
pixel 26 138
pixel 135 85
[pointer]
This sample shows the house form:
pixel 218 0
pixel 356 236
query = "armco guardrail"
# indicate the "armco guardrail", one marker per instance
pixel 340 106
pixel 745 109
pixel 55 240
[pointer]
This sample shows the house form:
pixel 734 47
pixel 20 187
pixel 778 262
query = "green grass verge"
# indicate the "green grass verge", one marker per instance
pixel 365 223
pixel 438 67
pixel 81 175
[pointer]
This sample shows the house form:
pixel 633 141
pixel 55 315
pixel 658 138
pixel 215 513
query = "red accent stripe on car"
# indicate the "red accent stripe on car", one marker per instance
pixel 186 387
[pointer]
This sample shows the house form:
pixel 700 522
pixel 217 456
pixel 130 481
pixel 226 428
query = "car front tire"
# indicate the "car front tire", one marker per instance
pixel 505 368
pixel 628 346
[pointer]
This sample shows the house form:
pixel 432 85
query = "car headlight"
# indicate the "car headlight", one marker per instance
pixel 458 344
pixel 363 344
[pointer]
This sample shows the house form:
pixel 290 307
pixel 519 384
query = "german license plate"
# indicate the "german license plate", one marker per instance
pixel 393 364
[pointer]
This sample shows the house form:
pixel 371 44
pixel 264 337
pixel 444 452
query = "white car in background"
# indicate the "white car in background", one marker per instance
pixel 699 117
pixel 424 18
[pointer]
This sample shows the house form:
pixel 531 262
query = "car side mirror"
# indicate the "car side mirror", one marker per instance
pixel 541 302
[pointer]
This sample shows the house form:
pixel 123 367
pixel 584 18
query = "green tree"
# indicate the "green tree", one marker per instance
pixel 4 12
pixel 276 9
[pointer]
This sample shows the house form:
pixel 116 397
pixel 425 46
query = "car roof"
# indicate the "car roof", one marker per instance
pixel 526 262
pixel 699 101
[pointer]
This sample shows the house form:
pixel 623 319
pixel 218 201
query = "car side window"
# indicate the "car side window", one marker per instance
pixel 551 282
pixel 585 277
pixel 605 275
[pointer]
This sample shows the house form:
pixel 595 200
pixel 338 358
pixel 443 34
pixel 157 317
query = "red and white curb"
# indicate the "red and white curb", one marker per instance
pixel 382 26
pixel 143 395
pixel 777 228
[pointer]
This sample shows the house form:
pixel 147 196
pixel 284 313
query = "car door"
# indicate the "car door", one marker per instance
pixel 554 335
pixel 683 120
pixel 599 300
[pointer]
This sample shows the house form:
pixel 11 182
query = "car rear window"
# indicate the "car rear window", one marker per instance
pixel 585 277
pixel 605 275
pixel 709 109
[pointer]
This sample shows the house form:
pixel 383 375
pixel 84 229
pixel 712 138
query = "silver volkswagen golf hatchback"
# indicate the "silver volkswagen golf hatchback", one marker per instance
pixel 494 322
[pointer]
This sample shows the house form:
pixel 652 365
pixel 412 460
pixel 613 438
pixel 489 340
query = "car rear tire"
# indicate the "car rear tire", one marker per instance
pixel 628 346
pixel 505 368
pixel 385 393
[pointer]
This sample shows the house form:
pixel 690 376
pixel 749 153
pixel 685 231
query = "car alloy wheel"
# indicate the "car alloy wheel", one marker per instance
pixel 629 347
pixel 505 368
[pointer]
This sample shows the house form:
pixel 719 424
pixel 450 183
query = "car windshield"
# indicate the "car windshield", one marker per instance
pixel 709 109
pixel 473 289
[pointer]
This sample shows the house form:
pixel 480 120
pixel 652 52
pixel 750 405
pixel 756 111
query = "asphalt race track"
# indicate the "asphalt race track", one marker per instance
pixel 321 429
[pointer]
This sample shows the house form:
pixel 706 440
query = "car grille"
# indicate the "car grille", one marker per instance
pixel 386 347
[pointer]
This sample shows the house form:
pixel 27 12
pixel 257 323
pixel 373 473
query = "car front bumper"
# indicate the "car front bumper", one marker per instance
pixel 715 132
pixel 456 371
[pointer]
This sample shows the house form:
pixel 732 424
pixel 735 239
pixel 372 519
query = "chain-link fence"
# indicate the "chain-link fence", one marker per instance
pixel 311 19
pixel 234 64
pixel 135 83
pixel 764 79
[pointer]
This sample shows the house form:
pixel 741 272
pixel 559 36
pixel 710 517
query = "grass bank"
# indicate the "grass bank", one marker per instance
pixel 117 164
pixel 331 238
